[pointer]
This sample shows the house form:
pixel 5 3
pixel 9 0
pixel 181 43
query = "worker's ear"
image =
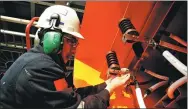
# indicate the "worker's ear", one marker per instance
pixel 52 41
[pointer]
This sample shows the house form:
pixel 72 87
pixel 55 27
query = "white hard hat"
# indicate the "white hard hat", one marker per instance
pixel 69 22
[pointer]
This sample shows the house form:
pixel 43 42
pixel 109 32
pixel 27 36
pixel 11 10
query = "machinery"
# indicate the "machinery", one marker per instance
pixel 148 39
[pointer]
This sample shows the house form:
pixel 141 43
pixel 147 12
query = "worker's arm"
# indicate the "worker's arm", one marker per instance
pixel 109 85
pixel 101 99
pixel 89 90
pixel 35 87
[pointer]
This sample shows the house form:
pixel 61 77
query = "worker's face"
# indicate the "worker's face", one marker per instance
pixel 69 47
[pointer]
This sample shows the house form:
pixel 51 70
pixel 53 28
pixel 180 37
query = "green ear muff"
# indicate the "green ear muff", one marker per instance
pixel 52 41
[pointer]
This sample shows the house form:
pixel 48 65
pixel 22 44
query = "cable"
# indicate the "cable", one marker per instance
pixel 154 87
pixel 156 75
pixel 139 97
pixel 142 83
pixel 175 62
pixel 175 85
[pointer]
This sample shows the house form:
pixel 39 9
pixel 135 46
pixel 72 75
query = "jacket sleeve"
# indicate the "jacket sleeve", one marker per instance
pixel 97 101
pixel 90 90
pixel 39 90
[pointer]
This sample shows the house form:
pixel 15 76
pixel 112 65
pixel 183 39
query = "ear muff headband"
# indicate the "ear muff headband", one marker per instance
pixel 52 42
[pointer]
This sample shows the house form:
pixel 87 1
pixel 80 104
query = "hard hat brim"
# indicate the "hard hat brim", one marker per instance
pixel 76 34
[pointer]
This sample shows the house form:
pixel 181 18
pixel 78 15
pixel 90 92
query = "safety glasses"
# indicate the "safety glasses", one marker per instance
pixel 71 40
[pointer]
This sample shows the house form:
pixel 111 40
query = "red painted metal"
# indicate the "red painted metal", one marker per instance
pixel 151 27
pixel 27 30
pixel 155 20
pixel 101 32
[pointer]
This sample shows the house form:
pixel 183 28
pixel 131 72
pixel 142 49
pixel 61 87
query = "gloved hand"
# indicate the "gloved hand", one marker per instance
pixel 115 82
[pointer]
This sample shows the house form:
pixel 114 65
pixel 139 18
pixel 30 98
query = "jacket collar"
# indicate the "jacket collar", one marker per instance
pixel 55 57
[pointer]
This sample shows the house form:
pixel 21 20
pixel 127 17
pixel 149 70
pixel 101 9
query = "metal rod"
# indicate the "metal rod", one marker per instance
pixel 12 46
pixel 173 47
pixel 16 20
pixel 156 75
pixel 176 38
pixel 10 51
pixel 2 59
pixel 4 55
pixel 15 33
pixel 161 100
pixel 27 30
pixel 23 41
pixel 14 41
pixel 12 58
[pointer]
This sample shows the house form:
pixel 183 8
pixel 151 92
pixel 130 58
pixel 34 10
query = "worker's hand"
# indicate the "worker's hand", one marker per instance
pixel 116 82
pixel 111 73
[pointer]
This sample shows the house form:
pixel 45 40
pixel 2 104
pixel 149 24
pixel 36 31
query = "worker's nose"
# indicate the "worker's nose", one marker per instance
pixel 73 50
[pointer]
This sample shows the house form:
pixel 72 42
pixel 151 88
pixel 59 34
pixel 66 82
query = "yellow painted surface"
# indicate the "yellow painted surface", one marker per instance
pixel 113 96
pixel 85 75
pixel 126 95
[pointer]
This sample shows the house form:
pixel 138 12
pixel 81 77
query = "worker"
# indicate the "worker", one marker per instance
pixel 29 82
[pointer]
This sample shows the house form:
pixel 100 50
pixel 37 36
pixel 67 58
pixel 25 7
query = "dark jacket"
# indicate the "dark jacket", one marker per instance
pixel 29 83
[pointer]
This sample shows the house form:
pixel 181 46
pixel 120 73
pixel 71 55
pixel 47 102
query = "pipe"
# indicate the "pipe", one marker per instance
pixel 12 46
pixel 16 20
pixel 15 33
pixel 27 30
pixel 157 85
pixel 139 97
pixel 173 47
pixel 175 62
pixel 175 85
pixel 154 87
pixel 156 75
pixel 176 38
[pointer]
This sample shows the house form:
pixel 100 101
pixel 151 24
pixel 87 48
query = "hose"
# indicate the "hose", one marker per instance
pixel 175 62
pixel 154 87
pixel 139 97
pixel 175 85
pixel 142 82
pixel 156 75
pixel 157 85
